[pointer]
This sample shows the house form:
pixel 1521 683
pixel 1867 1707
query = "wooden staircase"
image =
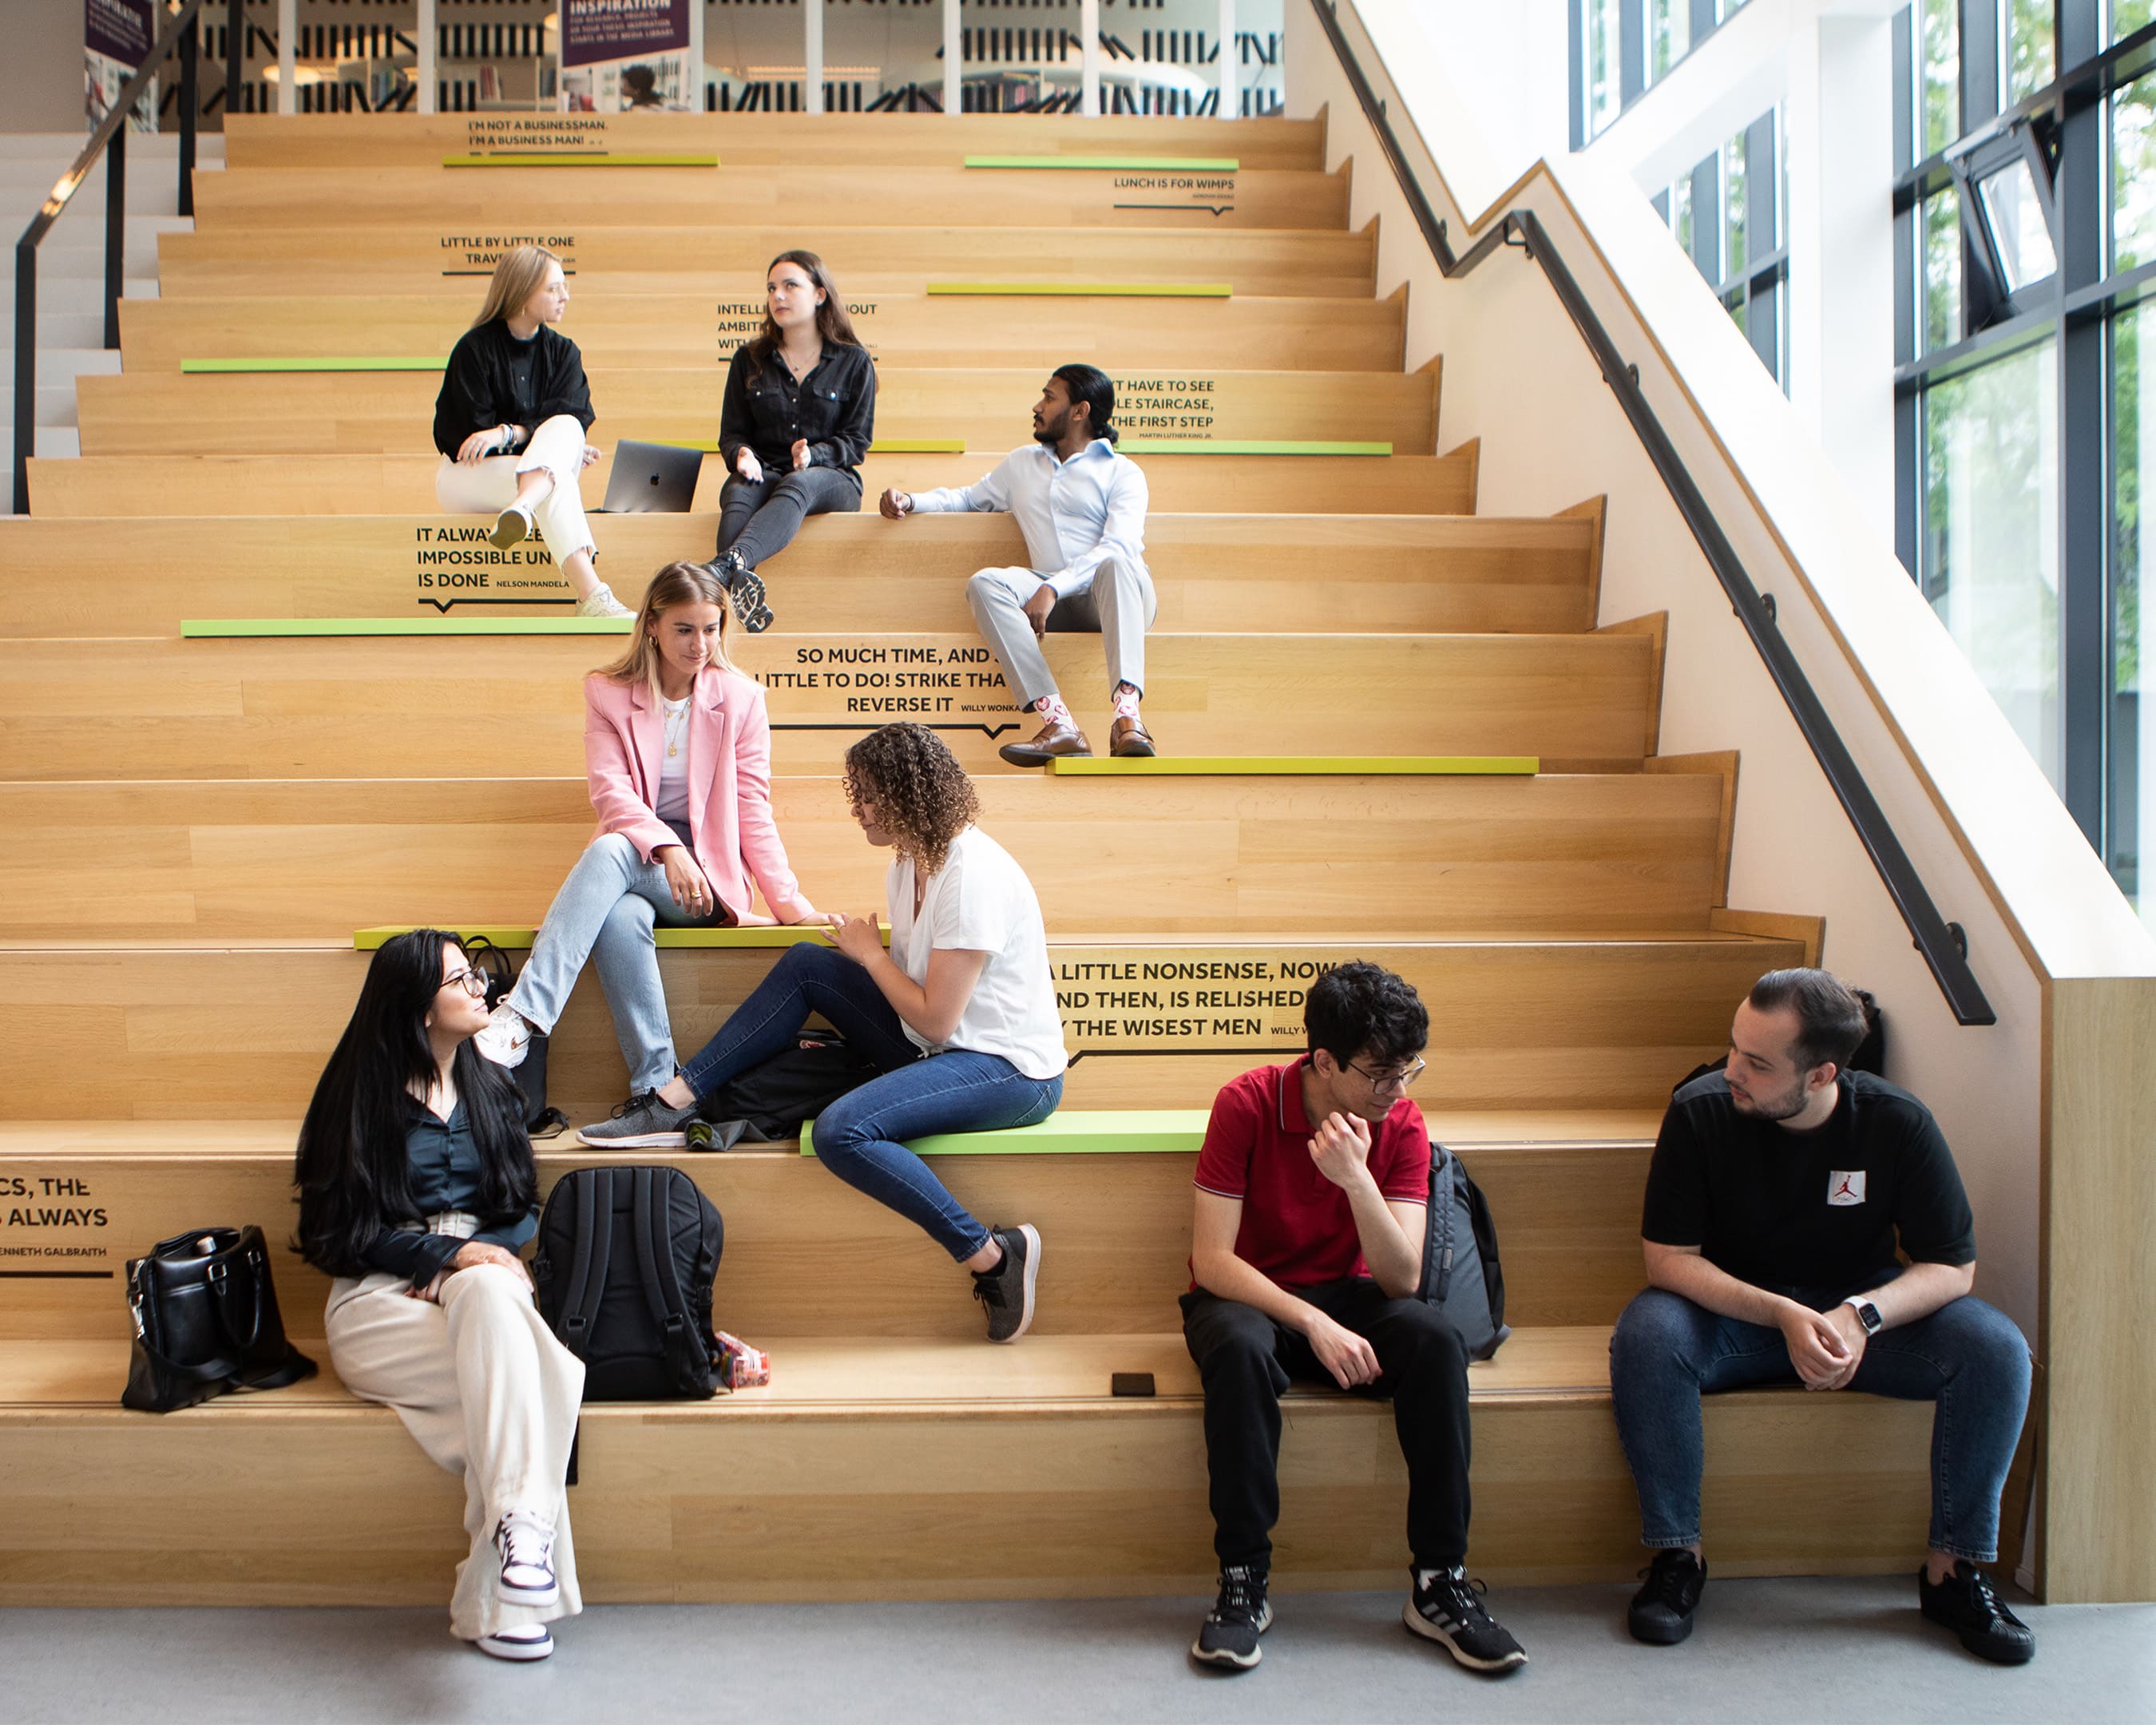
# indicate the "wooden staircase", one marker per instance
pixel 215 770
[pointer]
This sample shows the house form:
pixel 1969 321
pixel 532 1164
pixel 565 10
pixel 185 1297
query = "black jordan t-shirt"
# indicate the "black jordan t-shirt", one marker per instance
pixel 1816 1211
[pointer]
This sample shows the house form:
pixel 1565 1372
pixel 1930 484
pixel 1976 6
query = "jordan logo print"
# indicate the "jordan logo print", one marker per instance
pixel 1845 1188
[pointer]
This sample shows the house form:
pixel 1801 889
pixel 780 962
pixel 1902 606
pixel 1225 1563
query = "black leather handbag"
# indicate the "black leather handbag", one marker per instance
pixel 206 1321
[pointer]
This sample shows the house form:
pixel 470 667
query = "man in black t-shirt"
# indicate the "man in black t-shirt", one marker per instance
pixel 1780 1190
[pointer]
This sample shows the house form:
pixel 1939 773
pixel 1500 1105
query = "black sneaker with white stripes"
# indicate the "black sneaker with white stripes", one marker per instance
pixel 1007 1292
pixel 1229 1636
pixel 1447 1608
pixel 526 1545
pixel 745 588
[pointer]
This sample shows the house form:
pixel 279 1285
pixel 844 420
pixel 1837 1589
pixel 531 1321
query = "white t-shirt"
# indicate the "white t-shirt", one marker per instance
pixel 980 901
pixel 673 802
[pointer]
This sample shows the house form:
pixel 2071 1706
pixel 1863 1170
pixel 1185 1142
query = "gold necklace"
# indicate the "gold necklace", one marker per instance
pixel 675 734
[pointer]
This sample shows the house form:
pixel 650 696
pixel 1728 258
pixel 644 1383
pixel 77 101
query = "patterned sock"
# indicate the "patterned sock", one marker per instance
pixel 1051 708
pixel 1125 699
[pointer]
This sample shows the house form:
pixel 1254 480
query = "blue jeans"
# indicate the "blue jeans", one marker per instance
pixel 1967 1357
pixel 607 908
pixel 860 1137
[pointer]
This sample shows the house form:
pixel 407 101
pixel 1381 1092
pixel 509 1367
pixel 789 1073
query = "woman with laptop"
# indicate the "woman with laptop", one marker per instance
pixel 677 751
pixel 511 419
pixel 798 413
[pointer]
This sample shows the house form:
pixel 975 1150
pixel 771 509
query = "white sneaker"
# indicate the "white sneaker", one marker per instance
pixel 521 1644
pixel 526 1545
pixel 512 526
pixel 504 1037
pixel 600 602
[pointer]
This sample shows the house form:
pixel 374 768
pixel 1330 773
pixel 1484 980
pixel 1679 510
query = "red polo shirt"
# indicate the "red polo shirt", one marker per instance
pixel 1297 1227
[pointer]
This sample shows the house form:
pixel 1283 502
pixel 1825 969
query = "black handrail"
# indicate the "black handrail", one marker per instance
pixel 183 38
pixel 1943 944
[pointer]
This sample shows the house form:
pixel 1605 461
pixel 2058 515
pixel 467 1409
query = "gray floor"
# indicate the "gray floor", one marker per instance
pixel 1765 1651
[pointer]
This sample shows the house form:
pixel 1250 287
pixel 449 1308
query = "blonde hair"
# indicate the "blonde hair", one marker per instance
pixel 520 275
pixel 676 584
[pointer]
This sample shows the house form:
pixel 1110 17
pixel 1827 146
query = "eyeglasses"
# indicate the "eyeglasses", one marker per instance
pixel 1402 1080
pixel 472 982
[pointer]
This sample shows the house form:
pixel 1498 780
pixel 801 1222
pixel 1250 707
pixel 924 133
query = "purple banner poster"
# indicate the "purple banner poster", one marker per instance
pixel 117 36
pixel 593 31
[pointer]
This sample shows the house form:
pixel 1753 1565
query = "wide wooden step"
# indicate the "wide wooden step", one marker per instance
pixel 689 328
pixel 474 707
pixel 1297 574
pixel 1564 1189
pixel 304 1496
pixel 317 140
pixel 1579 854
pixel 423 253
pixel 809 196
pixel 92 1030
pixel 298 484
pixel 155 413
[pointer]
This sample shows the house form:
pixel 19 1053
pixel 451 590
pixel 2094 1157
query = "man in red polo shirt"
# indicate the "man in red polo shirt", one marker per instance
pixel 1306 1259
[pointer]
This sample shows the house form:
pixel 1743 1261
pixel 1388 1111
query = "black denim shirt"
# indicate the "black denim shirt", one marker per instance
pixel 834 407
pixel 444 1175
pixel 493 379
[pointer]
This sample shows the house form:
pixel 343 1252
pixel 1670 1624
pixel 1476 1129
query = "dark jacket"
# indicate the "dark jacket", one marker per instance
pixel 833 406
pixel 444 1175
pixel 493 379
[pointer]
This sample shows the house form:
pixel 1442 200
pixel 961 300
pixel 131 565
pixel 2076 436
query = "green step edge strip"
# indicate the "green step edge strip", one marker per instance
pixel 586 158
pixel 1096 164
pixel 881 446
pixel 225 628
pixel 1245 446
pixel 1077 1132
pixel 367 940
pixel 384 362
pixel 1088 290
pixel 1292 765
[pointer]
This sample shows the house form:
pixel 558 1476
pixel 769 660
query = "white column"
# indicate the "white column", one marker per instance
pixel 952 101
pixel 424 72
pixel 695 56
pixel 1089 56
pixel 288 55
pixel 812 56
pixel 1230 62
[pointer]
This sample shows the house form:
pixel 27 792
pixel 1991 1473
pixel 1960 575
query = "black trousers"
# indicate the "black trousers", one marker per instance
pixel 1245 1360
pixel 759 521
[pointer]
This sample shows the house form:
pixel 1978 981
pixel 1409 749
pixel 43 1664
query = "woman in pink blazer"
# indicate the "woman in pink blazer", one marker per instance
pixel 677 748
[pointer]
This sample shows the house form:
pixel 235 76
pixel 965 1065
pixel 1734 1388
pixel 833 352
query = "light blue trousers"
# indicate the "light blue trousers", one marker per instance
pixel 607 910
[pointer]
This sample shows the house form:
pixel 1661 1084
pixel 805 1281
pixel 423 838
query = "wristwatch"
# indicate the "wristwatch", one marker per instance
pixel 1867 1314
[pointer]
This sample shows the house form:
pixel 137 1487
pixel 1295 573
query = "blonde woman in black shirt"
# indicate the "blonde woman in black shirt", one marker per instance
pixel 798 414
pixel 511 421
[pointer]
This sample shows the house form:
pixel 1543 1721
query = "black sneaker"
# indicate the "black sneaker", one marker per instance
pixel 745 588
pixel 1229 1636
pixel 1006 1290
pixel 643 1123
pixel 1447 1608
pixel 1968 1603
pixel 1661 1610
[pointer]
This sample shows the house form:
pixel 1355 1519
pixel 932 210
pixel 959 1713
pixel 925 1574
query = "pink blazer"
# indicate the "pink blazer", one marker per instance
pixel 729 745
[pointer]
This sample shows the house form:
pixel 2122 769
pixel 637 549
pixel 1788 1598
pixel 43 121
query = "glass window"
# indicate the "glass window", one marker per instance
pixel 2030 47
pixel 1989 540
pixel 2134 173
pixel 1669 35
pixel 2132 792
pixel 2128 16
pixel 2018 228
pixel 1736 247
pixel 1681 214
pixel 1940 290
pixel 1938 74
pixel 1604 95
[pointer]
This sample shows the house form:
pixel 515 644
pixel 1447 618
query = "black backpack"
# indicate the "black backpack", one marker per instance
pixel 772 1100
pixel 623 1273
pixel 1460 1274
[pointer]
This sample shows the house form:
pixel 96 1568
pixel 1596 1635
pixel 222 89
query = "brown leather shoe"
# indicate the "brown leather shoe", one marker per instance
pixel 1129 736
pixel 1053 741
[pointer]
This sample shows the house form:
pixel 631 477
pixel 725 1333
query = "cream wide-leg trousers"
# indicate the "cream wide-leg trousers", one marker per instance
pixel 488 486
pixel 490 1393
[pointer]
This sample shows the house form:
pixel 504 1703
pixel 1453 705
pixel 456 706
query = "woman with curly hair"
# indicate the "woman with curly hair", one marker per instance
pixel 959 1015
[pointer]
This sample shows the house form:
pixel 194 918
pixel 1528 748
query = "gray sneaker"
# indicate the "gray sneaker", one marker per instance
pixel 1006 1290
pixel 643 1123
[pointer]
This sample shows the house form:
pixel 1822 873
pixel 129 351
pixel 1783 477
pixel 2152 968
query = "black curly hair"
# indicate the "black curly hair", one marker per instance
pixel 922 795
pixel 1360 1009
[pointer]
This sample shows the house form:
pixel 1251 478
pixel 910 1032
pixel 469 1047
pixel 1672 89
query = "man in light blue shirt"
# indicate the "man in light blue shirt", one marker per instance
pixel 1081 507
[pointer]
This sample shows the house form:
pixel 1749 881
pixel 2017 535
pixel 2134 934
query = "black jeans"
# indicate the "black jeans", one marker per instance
pixel 1245 1360
pixel 760 519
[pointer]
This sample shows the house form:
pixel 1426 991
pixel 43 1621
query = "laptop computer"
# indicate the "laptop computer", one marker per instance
pixel 651 479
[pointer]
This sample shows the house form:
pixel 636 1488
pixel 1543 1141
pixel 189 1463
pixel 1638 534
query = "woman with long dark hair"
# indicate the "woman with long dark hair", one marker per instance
pixel 960 1013
pixel 798 414
pixel 416 1188
pixel 511 419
